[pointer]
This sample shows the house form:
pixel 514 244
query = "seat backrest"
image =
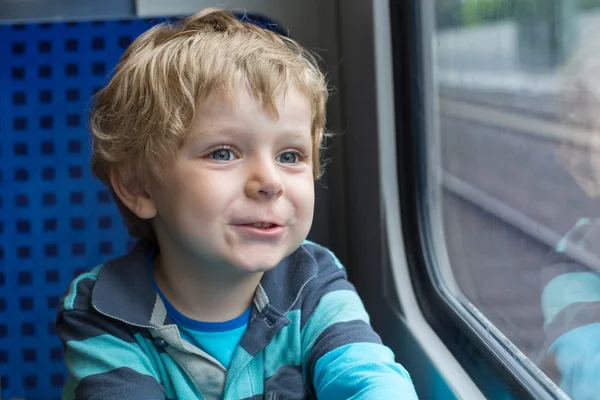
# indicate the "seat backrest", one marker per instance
pixel 56 221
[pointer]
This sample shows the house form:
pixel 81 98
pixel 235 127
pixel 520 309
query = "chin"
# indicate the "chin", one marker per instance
pixel 259 263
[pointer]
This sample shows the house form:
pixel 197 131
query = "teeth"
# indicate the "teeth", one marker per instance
pixel 262 225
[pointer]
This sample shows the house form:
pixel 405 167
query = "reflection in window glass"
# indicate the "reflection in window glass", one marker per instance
pixel 518 85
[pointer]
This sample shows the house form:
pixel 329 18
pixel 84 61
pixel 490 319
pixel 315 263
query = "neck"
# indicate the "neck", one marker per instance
pixel 200 290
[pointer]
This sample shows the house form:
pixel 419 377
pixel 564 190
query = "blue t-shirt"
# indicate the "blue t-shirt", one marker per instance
pixel 219 339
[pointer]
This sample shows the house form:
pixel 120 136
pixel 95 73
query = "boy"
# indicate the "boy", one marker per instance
pixel 571 290
pixel 209 136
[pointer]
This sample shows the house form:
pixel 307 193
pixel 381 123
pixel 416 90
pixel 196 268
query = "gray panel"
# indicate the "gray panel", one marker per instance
pixel 363 209
pixel 28 10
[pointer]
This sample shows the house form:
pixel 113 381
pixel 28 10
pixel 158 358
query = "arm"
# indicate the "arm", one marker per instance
pixel 577 357
pixel 571 306
pixel 343 357
pixel 571 303
pixel 104 360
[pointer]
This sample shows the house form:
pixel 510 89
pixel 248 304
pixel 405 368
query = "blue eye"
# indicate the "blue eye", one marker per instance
pixel 288 158
pixel 222 155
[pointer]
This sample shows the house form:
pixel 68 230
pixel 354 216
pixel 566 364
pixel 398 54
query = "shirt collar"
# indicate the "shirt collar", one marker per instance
pixel 124 291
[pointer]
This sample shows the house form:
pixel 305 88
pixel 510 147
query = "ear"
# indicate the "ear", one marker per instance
pixel 135 198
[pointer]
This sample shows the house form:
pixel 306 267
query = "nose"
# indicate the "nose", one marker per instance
pixel 264 181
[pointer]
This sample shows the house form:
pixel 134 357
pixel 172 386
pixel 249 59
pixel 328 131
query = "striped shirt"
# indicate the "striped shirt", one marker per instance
pixel 308 336
pixel 571 306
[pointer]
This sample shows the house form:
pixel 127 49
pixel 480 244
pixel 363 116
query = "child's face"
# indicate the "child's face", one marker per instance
pixel 240 167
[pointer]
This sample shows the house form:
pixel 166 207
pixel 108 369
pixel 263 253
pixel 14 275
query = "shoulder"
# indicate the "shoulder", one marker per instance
pixel 300 275
pixel 324 260
pixel 80 323
pixel 329 291
pixel 78 320
pixel 584 237
pixel 309 261
pixel 121 289
pixel 79 293
pixel 113 274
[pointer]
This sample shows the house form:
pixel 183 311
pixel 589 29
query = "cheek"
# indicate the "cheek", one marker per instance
pixel 199 196
pixel 301 193
pixel 211 195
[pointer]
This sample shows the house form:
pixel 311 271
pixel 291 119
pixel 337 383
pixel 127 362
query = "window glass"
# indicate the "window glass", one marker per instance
pixel 514 174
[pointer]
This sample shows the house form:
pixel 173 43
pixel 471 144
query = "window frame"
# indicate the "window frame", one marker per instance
pixel 489 363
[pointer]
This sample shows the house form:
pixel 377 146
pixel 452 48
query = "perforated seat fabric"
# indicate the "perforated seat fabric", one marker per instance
pixel 55 219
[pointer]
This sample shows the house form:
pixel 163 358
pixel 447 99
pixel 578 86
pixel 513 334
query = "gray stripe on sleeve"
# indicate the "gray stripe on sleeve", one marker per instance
pixel 81 325
pixel 338 335
pixel 320 287
pixel 287 383
pixel 118 384
pixel 573 316
pixel 84 294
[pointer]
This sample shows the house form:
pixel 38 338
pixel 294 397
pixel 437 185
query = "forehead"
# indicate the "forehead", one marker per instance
pixel 289 107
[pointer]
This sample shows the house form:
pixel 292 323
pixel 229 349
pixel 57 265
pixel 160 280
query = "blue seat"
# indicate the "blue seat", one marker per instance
pixel 56 221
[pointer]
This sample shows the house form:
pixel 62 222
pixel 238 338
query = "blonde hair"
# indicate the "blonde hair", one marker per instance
pixel 579 105
pixel 140 119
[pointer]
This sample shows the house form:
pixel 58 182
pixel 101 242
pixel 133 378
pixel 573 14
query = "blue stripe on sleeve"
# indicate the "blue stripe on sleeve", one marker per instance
pixel 338 335
pixel 566 289
pixel 334 307
pixel 577 356
pixel 345 373
pixel 69 299
pixel 104 353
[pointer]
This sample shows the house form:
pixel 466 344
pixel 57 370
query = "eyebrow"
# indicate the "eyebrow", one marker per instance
pixel 217 131
pixel 237 131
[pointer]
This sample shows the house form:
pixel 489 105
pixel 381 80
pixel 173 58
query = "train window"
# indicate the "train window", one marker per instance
pixel 511 181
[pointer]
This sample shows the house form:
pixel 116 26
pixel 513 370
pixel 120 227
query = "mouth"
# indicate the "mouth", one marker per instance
pixel 262 225
pixel 261 229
